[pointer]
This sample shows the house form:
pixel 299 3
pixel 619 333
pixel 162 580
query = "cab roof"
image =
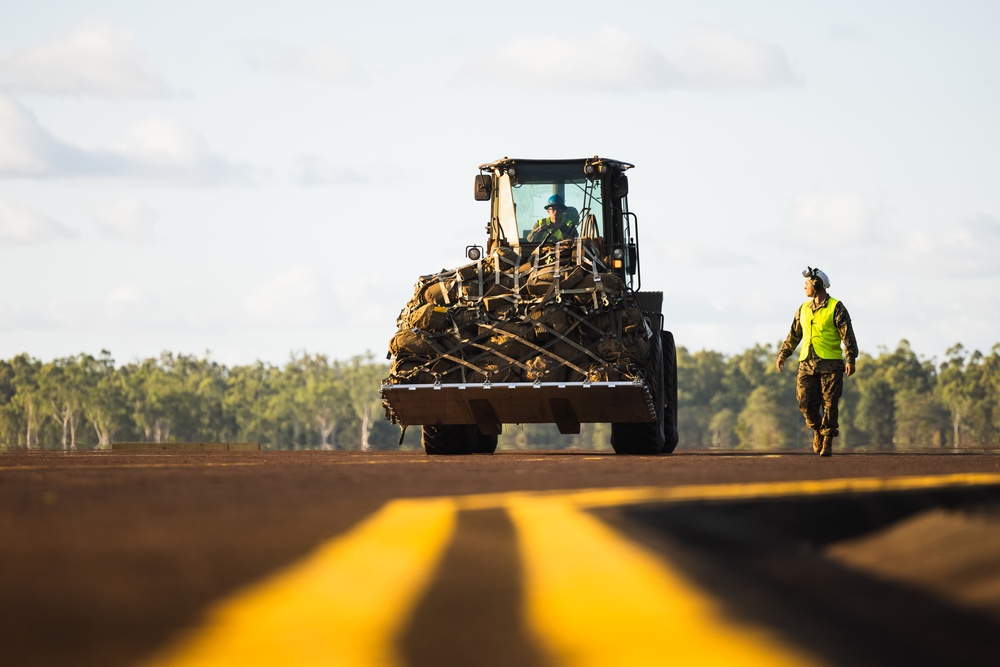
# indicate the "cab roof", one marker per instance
pixel 506 162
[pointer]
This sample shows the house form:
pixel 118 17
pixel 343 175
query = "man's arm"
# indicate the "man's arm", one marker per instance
pixel 536 231
pixel 791 342
pixel 842 320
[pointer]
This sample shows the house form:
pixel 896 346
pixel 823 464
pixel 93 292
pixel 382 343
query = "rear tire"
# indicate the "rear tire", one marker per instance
pixel 448 439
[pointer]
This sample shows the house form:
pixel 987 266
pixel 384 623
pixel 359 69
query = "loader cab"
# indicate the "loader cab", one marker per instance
pixel 593 193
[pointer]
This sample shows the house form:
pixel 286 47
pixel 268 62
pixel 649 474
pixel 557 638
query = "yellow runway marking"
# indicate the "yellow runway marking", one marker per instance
pixel 593 597
pixel 343 606
pixel 596 498
pixel 596 599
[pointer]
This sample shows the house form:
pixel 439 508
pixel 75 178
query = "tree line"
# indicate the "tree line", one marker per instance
pixel 896 399
pixel 87 402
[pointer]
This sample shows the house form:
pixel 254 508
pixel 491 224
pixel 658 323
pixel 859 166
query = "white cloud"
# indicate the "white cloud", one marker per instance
pixel 136 308
pixel 847 32
pixel 327 64
pixel 28 149
pixel 126 219
pixel 316 170
pixel 20 225
pixel 712 58
pixel 34 317
pixel 966 250
pixel 846 217
pixel 154 149
pixel 300 296
pixel 94 58
pixel 692 253
pixel 610 58
pixel 164 149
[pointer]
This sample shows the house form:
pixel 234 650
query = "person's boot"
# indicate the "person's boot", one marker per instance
pixel 827 447
pixel 817 442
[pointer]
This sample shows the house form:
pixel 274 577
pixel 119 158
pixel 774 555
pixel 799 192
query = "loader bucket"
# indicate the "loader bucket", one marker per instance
pixel 566 404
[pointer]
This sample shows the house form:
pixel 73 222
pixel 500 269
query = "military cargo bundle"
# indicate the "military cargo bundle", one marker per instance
pixel 557 314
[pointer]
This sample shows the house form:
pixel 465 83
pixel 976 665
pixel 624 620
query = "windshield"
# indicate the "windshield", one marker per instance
pixel 523 200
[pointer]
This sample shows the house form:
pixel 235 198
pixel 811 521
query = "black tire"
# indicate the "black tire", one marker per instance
pixel 483 444
pixel 448 439
pixel 645 438
pixel 669 392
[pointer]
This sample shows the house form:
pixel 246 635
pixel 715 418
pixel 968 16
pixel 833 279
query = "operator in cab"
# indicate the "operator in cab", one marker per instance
pixel 559 225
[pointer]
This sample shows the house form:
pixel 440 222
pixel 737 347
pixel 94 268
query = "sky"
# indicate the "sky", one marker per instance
pixel 251 180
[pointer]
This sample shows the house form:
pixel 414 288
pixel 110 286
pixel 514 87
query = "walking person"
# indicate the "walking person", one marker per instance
pixel 823 326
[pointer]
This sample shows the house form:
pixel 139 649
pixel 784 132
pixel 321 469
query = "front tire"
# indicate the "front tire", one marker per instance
pixel 646 438
pixel 457 439
pixel 483 444
pixel 669 392
pixel 447 439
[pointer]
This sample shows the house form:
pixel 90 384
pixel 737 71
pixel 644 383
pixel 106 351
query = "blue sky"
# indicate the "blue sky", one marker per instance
pixel 250 179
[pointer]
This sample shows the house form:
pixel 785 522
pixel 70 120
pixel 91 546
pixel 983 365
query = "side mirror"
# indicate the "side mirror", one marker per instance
pixel 483 187
pixel 620 187
pixel 633 258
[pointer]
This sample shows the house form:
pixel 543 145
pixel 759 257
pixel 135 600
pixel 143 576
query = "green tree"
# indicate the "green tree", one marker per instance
pixel 105 400
pixel 991 378
pixel 323 397
pixel 758 424
pixel 700 382
pixel 965 389
pixel 28 401
pixel 919 416
pixel 61 383
pixel 8 412
pixel 249 393
pixel 722 429
pixel 288 416
pixel 364 377
pixel 876 410
pixel 762 398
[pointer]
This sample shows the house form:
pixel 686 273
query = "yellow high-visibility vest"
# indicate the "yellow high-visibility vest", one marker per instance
pixel 819 330
pixel 560 230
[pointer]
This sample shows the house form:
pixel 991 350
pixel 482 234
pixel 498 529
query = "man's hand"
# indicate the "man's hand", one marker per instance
pixel 780 364
pixel 849 368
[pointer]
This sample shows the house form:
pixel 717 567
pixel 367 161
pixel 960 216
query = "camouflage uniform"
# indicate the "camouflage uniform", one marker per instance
pixel 820 382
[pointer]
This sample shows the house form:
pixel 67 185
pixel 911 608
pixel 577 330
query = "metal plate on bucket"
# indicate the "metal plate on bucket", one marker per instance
pixel 520 402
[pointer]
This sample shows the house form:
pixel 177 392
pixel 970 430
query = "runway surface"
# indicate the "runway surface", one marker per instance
pixel 531 558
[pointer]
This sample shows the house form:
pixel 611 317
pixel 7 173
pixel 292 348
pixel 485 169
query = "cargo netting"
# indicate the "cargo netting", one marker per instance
pixel 557 314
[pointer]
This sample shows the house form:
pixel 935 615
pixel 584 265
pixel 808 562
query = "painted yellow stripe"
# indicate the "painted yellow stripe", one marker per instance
pixel 595 599
pixel 344 605
pixel 595 498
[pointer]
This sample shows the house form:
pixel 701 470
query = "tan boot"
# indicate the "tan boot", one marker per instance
pixel 827 448
pixel 817 442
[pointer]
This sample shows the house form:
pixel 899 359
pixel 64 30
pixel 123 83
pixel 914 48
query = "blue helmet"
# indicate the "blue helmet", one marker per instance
pixel 555 200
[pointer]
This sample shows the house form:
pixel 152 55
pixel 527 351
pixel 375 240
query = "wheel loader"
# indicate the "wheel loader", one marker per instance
pixel 545 323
